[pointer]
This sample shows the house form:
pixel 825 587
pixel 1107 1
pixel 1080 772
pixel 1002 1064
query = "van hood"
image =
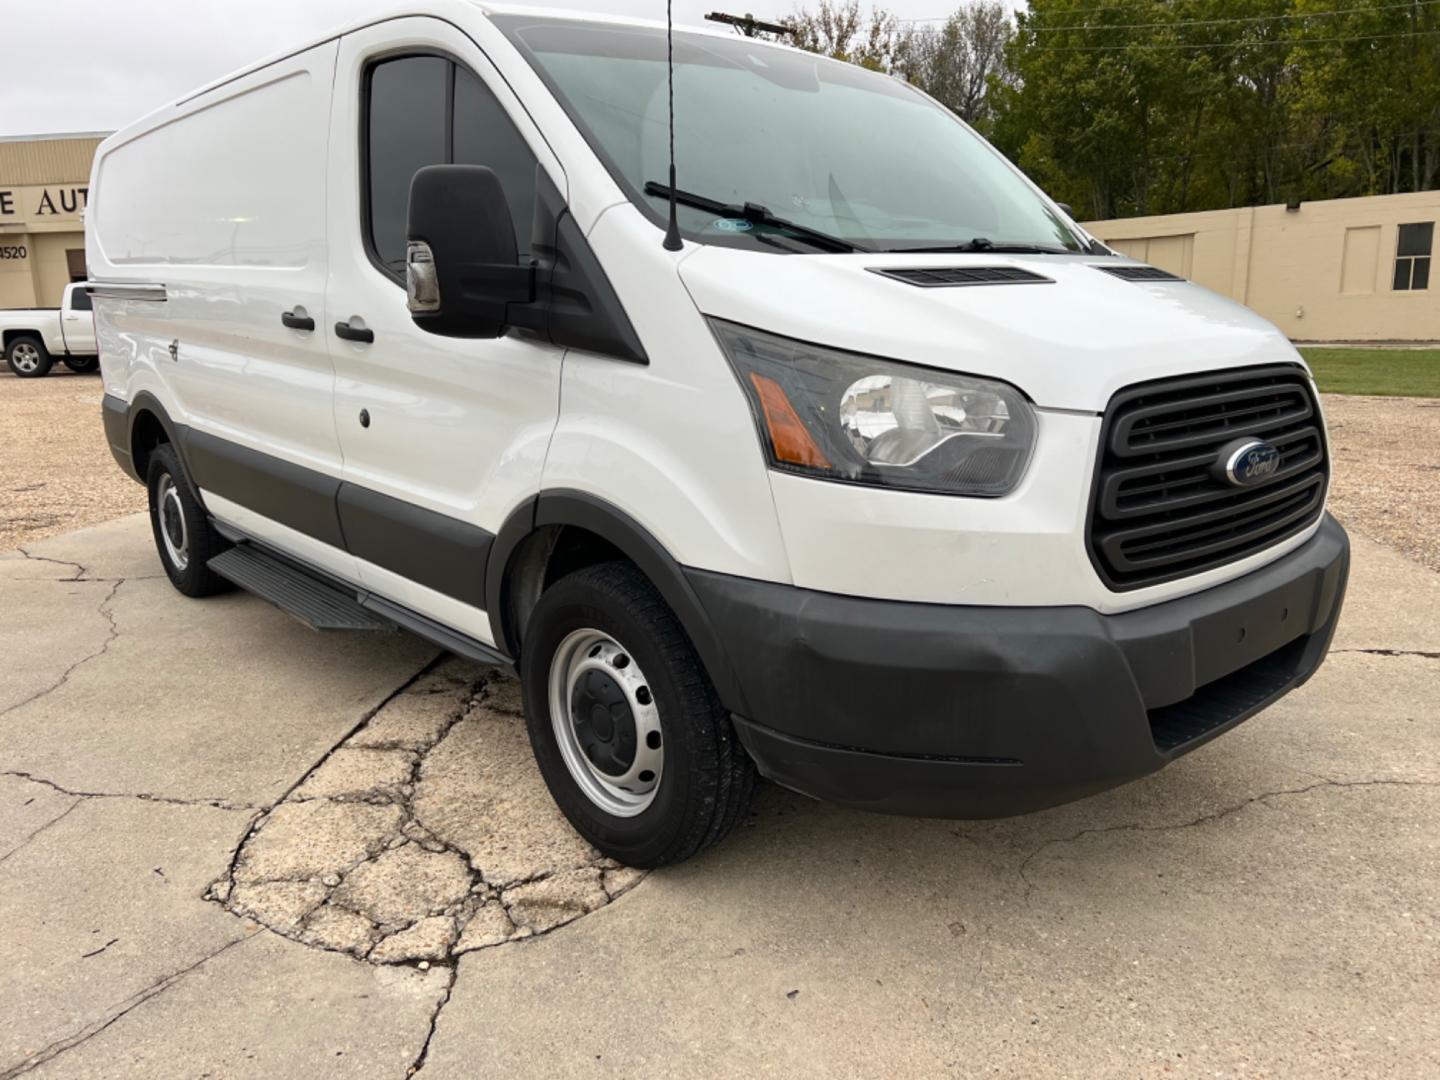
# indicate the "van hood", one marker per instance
pixel 1069 344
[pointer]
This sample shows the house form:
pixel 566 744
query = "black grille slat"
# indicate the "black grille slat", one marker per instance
pixel 952 276
pixel 1159 511
pixel 1126 493
pixel 1128 272
pixel 1222 416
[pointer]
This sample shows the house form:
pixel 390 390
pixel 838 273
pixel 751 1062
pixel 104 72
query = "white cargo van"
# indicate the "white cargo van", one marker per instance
pixel 879 477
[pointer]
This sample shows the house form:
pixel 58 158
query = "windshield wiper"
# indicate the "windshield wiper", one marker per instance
pixel 753 213
pixel 981 243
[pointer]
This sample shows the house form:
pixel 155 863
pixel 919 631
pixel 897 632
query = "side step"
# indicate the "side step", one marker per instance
pixel 316 603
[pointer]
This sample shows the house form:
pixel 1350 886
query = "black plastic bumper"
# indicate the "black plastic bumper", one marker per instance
pixel 950 711
pixel 116 415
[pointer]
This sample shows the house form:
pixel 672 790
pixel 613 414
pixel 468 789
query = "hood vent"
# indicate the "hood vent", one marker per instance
pixel 1138 273
pixel 952 276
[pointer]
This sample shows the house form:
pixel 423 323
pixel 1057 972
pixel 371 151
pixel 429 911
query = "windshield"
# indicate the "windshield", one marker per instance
pixel 823 144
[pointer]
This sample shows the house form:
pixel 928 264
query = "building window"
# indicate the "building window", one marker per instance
pixel 1412 256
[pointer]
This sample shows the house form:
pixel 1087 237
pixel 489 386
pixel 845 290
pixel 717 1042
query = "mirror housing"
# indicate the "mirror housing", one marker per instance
pixel 462 266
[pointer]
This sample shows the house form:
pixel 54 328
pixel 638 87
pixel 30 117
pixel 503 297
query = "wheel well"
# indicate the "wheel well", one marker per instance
pixel 145 435
pixel 543 558
pixel 11 335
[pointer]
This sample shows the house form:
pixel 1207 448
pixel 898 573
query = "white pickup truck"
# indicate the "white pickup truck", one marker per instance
pixel 34 338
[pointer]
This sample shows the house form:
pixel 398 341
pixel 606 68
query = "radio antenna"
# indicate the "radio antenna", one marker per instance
pixel 672 230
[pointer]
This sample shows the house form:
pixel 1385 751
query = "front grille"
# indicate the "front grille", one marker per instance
pixel 950 276
pixel 1159 511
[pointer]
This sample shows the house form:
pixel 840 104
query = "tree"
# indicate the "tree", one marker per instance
pixel 1124 107
pixel 958 61
pixel 838 29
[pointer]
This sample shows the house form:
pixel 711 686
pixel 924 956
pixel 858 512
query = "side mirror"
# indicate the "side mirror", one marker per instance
pixel 1068 212
pixel 462 269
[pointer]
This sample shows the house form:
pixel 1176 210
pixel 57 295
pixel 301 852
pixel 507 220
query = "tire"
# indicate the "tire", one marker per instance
pixel 703 777
pixel 184 536
pixel 28 358
pixel 82 365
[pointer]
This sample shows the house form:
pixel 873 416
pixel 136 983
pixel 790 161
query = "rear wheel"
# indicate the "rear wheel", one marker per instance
pixel 82 365
pixel 184 536
pixel 629 734
pixel 28 358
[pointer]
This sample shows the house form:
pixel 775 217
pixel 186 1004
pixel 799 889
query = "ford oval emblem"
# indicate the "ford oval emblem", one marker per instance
pixel 1247 462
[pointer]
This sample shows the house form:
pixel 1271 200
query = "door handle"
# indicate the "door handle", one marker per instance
pixel 297 322
pixel 354 333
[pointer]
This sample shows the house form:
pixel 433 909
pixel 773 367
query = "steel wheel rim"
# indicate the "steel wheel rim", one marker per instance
pixel 596 689
pixel 26 357
pixel 172 523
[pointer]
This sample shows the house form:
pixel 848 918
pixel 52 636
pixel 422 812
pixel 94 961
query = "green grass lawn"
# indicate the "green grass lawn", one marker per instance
pixel 1385 372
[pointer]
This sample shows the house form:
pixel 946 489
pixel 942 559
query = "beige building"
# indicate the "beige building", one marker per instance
pixel 44 184
pixel 1337 270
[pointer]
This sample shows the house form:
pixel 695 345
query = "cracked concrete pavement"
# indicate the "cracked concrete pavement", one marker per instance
pixel 231 846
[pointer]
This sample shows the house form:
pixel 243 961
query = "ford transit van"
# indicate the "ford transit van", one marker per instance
pixel 875 476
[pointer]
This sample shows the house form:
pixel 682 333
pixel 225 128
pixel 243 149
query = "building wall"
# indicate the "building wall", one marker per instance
pixel 1324 272
pixel 44 186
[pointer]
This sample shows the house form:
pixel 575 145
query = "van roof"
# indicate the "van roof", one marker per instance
pixel 415 9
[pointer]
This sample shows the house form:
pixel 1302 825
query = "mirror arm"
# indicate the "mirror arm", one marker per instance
pixel 499 281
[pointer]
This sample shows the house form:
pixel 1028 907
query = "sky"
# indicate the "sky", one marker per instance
pixel 96 65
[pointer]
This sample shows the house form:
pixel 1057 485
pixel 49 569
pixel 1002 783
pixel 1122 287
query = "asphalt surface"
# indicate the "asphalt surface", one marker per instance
pixel 209 815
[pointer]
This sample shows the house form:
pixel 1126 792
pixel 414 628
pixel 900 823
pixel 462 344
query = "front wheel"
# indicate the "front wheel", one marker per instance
pixel 82 365
pixel 632 741
pixel 28 358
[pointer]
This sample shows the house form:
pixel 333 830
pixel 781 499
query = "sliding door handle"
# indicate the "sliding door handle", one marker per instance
pixel 297 322
pixel 354 333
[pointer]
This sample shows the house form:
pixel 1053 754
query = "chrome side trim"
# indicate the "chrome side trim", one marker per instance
pixel 127 290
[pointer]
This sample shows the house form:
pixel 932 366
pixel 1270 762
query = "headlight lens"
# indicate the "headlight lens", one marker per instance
pixel 862 420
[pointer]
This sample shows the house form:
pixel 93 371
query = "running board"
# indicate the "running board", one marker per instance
pixel 316 603
pixel 324 604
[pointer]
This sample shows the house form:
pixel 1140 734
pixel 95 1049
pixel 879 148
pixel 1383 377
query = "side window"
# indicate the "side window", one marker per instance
pixel 427 110
pixel 1412 256
pixel 79 299
pixel 484 135
pixel 406 131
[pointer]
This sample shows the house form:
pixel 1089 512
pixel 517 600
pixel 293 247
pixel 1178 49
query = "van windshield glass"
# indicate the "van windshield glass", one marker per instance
pixel 825 145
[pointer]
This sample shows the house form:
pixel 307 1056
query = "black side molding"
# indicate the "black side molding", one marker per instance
pixel 435 550
pixel 293 495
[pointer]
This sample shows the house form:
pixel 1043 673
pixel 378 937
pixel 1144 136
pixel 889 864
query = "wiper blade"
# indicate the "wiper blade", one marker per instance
pixel 982 244
pixel 753 213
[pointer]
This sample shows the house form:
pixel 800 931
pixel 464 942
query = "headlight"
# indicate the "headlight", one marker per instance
pixel 858 419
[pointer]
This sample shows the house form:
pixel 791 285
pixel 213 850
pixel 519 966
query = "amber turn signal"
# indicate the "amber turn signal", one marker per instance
pixel 791 441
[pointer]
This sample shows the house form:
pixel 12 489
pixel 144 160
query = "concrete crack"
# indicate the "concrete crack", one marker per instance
pixel 80 571
pixel 60 1046
pixel 398 891
pixel 97 952
pixel 359 724
pixel 1205 819
pixel 103 609
pixel 1392 652
pixel 419 1062
pixel 143 796
pixel 49 824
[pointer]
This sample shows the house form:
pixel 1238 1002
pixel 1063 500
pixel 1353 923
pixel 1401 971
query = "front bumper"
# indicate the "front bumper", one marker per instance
pixel 962 711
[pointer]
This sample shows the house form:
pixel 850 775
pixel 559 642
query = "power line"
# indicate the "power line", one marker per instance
pixel 1075 11
pixel 1228 21
pixel 1177 46
pixel 1358 9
